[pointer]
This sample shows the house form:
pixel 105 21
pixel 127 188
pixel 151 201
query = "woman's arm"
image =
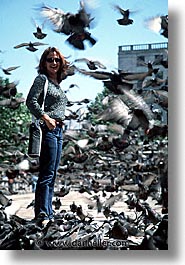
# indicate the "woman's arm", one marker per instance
pixel 35 96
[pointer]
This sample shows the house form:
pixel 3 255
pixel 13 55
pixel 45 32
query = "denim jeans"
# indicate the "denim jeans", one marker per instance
pixel 51 149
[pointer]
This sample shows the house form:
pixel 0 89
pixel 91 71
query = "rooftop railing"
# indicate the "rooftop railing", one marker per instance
pixel 139 47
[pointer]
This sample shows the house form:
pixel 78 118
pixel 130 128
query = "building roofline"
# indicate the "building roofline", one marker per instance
pixel 139 47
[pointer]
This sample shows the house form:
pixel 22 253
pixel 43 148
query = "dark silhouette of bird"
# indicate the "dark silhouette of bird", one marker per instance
pixel 9 90
pixel 104 143
pixel 71 86
pixel 157 130
pixel 7 71
pixel 29 45
pixel 83 189
pixel 115 82
pixel 112 80
pixel 158 24
pixel 31 204
pixel 107 211
pixel 71 24
pixel 92 65
pixel 118 231
pixel 120 142
pixel 57 203
pixel 39 33
pixel 129 76
pixel 153 81
pixel 64 190
pixel 162 60
pixel 77 40
pixel 67 22
pixel 79 213
pixel 73 207
pixel 125 21
pixel 71 70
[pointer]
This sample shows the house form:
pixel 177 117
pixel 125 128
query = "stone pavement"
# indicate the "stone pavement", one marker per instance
pixel 21 201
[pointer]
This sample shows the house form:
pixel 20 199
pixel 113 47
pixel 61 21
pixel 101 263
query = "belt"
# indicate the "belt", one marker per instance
pixel 60 124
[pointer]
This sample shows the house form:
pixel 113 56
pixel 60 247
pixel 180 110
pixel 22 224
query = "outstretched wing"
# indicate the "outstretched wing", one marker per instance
pixel 153 23
pixel 39 43
pixel 55 15
pixel 21 45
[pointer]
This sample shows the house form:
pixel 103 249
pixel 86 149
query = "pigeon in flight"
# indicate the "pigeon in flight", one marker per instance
pixel 158 24
pixel 29 45
pixel 9 69
pixel 77 40
pixel 125 20
pixel 39 34
pixel 71 24
pixel 67 23
pixel 92 65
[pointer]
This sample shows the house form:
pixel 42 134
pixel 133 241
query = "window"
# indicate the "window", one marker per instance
pixel 140 60
pixel 158 59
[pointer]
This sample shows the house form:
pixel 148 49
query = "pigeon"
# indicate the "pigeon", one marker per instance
pixel 92 65
pixel 57 203
pixel 7 71
pixel 31 204
pixel 69 72
pixel 158 24
pixel 67 23
pixel 126 76
pixel 118 231
pixel 8 92
pixel 73 207
pixel 125 21
pixel 29 45
pixel 62 192
pixel 38 34
pixel 77 40
pixel 71 24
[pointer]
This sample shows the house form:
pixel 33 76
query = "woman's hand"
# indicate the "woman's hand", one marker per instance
pixel 51 123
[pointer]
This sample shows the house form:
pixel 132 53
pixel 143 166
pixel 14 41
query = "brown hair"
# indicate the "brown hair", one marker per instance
pixel 63 65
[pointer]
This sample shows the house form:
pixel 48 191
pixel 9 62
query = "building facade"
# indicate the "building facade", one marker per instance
pixel 134 58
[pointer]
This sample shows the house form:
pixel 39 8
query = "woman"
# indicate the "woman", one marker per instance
pixel 52 66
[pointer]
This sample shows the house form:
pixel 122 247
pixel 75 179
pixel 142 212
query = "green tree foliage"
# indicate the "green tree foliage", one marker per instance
pixel 14 124
pixel 96 106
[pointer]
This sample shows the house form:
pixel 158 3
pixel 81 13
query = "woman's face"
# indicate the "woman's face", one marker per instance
pixel 53 63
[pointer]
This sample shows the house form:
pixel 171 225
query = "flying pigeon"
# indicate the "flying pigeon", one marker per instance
pixel 92 65
pixel 29 45
pixel 71 24
pixel 125 20
pixel 67 23
pixel 158 24
pixel 9 69
pixel 39 33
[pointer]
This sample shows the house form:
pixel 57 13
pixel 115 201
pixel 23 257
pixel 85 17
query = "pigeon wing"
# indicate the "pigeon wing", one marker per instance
pixel 55 16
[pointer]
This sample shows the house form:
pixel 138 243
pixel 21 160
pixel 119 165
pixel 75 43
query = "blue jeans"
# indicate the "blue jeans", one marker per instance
pixel 50 155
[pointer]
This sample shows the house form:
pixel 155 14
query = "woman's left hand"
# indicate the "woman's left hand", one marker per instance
pixel 51 123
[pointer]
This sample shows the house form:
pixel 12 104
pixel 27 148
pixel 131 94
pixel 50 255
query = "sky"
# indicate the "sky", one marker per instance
pixel 16 22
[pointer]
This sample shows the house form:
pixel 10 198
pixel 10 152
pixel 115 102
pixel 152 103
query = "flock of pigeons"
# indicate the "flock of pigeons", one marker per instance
pixel 122 158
